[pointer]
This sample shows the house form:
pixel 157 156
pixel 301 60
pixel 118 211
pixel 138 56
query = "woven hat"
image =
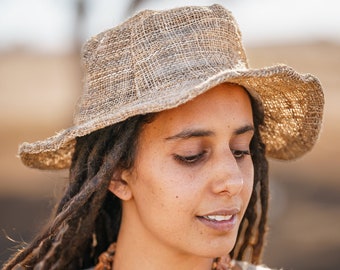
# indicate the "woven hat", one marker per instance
pixel 157 60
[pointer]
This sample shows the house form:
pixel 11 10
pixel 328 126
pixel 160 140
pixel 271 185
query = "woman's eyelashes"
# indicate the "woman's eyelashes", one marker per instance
pixel 240 154
pixel 190 159
pixel 197 158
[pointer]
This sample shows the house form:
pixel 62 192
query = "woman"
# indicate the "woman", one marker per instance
pixel 167 155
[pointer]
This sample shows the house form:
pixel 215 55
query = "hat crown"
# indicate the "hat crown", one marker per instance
pixel 153 53
pixel 158 60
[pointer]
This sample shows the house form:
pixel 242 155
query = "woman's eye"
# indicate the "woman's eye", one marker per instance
pixel 239 154
pixel 190 159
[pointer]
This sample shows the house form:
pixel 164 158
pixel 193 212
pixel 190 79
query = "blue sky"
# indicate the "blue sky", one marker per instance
pixel 48 25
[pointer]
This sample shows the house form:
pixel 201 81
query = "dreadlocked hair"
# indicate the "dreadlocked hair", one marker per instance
pixel 253 227
pixel 87 219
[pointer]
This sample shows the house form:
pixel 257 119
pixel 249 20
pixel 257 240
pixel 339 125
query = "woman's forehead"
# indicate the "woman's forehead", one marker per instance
pixel 223 105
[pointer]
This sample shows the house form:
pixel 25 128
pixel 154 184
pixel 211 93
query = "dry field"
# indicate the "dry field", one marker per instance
pixel 37 95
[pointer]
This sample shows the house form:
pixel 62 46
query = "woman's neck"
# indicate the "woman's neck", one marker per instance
pixel 133 254
pixel 138 250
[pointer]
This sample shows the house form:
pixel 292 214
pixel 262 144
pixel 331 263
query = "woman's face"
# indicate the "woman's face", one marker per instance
pixel 192 177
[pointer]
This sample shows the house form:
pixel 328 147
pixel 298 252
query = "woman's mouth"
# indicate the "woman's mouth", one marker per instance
pixel 218 218
pixel 224 221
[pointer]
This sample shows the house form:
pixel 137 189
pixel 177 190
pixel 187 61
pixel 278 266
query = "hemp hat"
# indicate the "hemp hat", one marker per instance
pixel 158 60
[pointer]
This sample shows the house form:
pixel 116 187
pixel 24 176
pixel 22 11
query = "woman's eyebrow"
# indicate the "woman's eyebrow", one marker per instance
pixel 244 129
pixel 191 133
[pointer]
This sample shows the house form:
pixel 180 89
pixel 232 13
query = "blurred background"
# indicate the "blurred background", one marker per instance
pixel 40 80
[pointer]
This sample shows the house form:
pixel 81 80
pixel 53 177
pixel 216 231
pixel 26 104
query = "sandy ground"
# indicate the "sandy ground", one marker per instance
pixel 37 95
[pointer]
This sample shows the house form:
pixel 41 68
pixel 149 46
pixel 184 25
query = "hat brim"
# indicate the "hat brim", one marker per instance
pixel 292 102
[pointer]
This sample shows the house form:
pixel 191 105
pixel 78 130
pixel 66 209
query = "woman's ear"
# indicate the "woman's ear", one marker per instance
pixel 119 185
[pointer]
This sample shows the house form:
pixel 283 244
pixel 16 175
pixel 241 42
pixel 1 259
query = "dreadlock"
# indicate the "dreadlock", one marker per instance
pixel 252 229
pixel 82 226
pixel 87 219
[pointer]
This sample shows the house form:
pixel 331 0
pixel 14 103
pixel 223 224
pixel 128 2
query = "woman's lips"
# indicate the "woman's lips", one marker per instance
pixel 223 221
pixel 218 218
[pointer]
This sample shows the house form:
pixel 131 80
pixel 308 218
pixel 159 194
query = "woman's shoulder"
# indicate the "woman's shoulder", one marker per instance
pixel 247 266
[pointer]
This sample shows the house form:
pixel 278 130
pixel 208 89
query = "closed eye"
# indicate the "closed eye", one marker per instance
pixel 190 160
pixel 240 154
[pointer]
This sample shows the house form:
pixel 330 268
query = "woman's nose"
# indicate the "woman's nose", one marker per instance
pixel 226 176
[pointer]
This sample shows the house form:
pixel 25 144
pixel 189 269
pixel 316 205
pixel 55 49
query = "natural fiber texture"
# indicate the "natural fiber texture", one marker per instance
pixel 158 60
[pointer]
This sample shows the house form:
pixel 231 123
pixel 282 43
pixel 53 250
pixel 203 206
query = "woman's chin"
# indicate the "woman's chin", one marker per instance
pixel 220 249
